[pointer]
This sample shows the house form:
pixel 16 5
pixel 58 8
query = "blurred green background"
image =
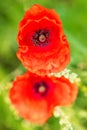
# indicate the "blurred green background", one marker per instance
pixel 73 14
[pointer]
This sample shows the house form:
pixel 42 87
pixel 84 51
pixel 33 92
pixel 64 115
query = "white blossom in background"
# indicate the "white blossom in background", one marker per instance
pixel 73 77
pixel 64 120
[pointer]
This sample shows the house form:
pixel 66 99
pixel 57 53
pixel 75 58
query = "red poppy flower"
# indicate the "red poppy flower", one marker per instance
pixel 43 47
pixel 35 97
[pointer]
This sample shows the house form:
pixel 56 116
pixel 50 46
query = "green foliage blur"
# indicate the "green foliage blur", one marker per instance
pixel 73 14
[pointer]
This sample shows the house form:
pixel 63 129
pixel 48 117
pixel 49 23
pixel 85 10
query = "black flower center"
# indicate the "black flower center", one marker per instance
pixel 41 88
pixel 41 37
